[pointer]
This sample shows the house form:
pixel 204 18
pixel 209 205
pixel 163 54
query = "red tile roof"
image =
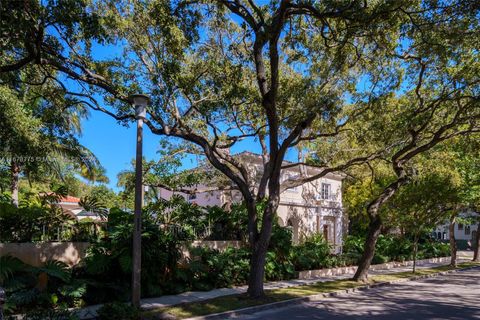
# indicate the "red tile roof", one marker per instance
pixel 70 199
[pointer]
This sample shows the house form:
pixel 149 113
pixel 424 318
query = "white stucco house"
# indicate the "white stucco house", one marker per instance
pixel 315 207
pixel 465 232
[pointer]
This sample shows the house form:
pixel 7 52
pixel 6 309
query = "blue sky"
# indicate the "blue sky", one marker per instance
pixel 114 144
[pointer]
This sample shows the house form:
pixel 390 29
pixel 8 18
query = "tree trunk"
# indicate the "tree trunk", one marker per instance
pixel 476 244
pixel 375 225
pixel 374 229
pixel 453 243
pixel 15 173
pixel 415 252
pixel 259 251
pixel 257 271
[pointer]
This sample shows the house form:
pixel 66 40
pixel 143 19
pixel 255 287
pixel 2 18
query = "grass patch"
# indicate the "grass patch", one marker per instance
pixel 234 302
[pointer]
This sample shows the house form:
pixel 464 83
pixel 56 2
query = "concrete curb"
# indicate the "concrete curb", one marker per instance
pixel 317 297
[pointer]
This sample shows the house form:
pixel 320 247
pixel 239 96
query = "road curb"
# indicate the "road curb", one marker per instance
pixel 317 297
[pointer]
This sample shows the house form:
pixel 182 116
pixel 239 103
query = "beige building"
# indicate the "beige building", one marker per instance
pixel 315 207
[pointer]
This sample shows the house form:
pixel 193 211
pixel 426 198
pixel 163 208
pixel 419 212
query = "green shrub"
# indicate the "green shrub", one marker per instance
pixel 41 219
pixel 48 315
pixel 108 264
pixel 353 248
pixel 312 254
pixel 208 268
pixel 118 311
pixel 279 264
pixel 433 249
pixel 394 248
pixel 228 225
pixel 38 288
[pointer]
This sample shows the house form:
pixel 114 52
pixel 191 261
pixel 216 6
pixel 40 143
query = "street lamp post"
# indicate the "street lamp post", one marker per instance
pixel 140 102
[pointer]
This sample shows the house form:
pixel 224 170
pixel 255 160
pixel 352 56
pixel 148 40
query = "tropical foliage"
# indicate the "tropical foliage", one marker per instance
pixel 34 288
pixel 40 218
pixel 395 248
pixel 105 274
pixel 390 79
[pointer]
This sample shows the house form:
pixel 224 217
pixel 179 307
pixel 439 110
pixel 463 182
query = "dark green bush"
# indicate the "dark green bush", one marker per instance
pixel 228 225
pixel 208 269
pixel 311 254
pixel 47 315
pixel 42 288
pixel 108 264
pixel 118 311
pixel 219 269
pixel 394 248
pixel 433 249
pixel 279 264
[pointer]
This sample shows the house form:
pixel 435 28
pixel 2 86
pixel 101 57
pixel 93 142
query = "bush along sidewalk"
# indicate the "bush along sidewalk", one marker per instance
pixel 219 307
pixel 104 276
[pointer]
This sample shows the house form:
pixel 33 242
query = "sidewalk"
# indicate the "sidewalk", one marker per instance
pixel 196 296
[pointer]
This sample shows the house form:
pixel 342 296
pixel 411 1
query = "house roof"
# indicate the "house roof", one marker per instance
pixel 256 156
pixel 250 154
pixel 70 199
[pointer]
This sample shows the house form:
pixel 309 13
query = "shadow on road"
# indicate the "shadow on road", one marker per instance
pixel 454 297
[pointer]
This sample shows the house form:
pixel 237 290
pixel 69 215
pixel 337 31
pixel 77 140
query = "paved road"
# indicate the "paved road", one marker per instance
pixel 454 296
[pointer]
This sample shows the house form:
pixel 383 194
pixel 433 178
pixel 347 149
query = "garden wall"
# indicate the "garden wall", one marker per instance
pixel 311 274
pixel 72 253
pixel 37 254
pixel 217 245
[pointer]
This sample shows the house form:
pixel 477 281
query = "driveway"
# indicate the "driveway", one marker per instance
pixel 453 296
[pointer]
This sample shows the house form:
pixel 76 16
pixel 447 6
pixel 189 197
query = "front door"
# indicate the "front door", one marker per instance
pixel 325 232
pixel 329 230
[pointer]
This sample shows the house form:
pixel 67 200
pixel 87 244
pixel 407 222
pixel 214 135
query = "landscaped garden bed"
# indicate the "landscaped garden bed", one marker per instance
pixel 104 275
pixel 236 302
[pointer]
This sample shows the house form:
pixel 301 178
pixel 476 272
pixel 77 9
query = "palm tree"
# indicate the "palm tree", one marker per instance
pixel 92 204
pixel 39 133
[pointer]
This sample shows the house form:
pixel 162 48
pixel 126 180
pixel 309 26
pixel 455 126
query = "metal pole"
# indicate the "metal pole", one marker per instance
pixel 137 232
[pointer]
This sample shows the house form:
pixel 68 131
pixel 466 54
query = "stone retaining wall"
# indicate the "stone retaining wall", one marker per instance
pixel 310 274
pixel 217 245
pixel 36 254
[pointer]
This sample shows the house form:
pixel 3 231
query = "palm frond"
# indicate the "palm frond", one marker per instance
pixel 56 269
pixel 92 204
pixel 10 265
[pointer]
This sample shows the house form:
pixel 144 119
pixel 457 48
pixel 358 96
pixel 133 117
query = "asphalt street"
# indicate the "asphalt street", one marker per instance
pixel 453 296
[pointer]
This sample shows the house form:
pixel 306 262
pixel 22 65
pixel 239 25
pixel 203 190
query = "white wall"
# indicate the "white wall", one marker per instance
pixel 459 234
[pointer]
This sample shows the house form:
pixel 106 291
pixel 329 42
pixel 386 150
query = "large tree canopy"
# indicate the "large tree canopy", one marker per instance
pixel 282 73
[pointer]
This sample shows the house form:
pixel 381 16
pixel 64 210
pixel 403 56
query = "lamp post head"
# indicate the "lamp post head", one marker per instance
pixel 140 102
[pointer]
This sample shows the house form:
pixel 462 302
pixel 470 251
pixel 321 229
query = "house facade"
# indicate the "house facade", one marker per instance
pixel 70 205
pixel 462 231
pixel 315 207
